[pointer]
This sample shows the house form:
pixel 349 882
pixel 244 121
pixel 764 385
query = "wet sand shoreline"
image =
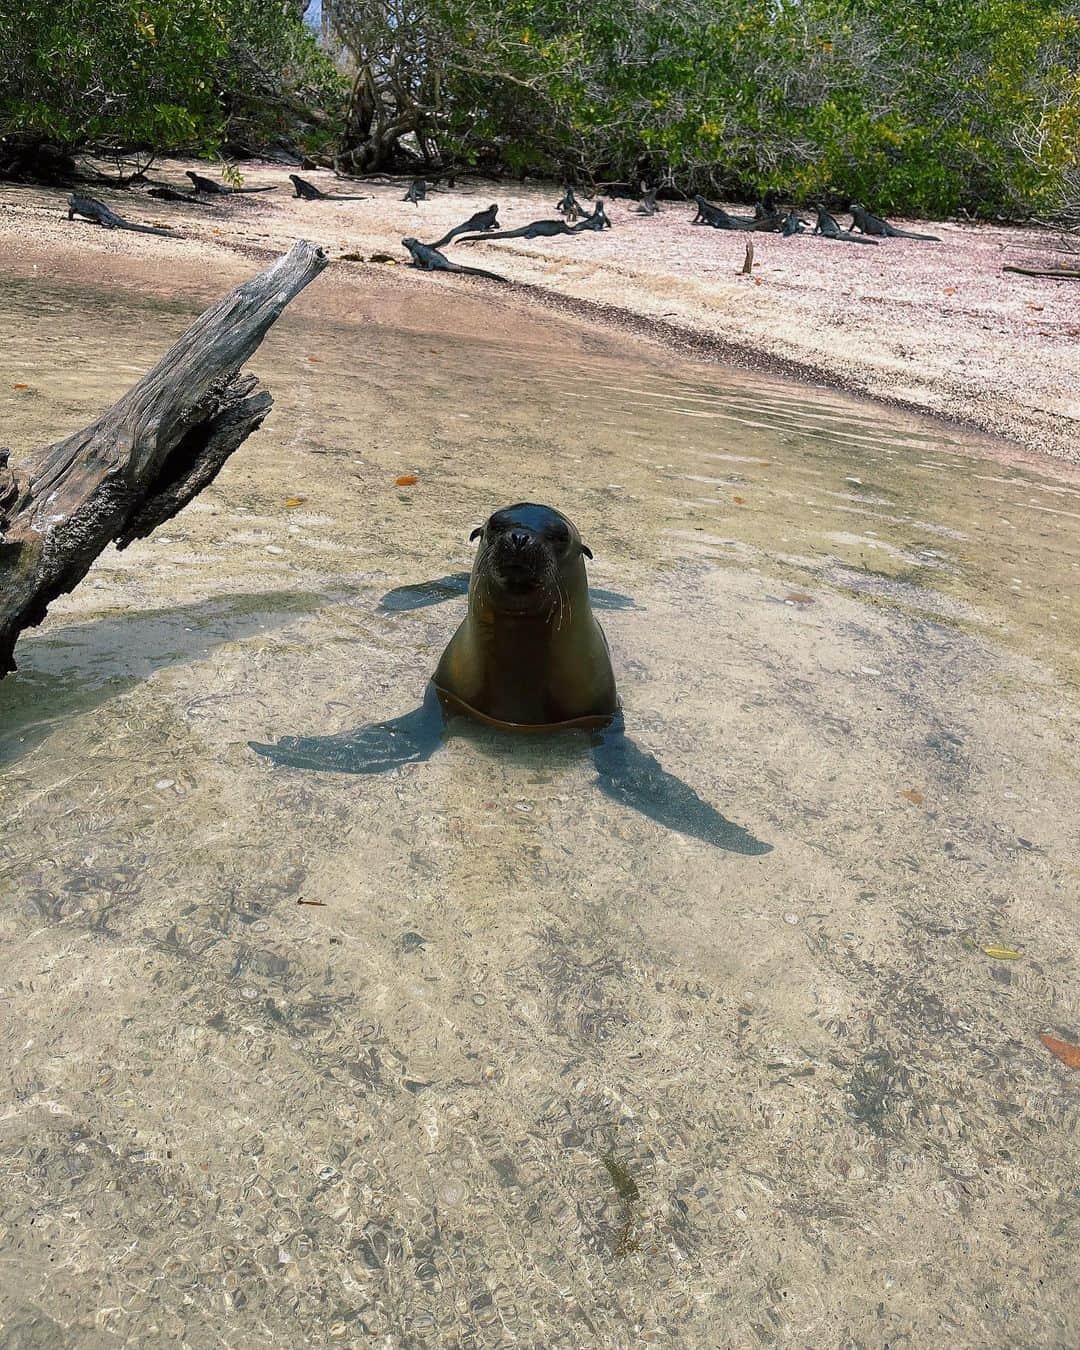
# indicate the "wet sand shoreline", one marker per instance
pixel 935 329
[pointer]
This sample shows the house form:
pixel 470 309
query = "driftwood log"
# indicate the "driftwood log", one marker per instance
pixel 143 460
pixel 1060 273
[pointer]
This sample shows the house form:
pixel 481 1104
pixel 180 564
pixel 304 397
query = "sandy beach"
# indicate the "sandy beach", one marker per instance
pixel 936 327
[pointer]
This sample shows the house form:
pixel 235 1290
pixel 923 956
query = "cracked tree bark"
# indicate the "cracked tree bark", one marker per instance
pixel 145 458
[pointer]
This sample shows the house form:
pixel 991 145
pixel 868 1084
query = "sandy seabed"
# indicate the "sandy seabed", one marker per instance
pixel 469 1053
pixel 937 327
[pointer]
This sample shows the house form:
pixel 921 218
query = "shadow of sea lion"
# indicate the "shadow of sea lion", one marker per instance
pixel 625 773
pixel 424 593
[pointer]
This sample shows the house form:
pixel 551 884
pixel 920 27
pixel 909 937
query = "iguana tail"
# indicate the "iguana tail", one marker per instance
pixel 478 272
pixel 499 234
pixel 236 191
pixel 908 234
pixel 440 243
pixel 144 229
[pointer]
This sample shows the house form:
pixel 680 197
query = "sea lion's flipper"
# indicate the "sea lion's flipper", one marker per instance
pixel 434 592
pixel 425 593
pixel 410 739
pixel 630 775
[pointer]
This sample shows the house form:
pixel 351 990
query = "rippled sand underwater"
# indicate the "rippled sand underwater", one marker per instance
pixel 468 1053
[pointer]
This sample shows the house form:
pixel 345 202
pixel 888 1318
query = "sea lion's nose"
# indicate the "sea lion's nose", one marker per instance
pixel 519 539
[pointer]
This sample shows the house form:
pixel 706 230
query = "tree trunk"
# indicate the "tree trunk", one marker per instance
pixel 144 459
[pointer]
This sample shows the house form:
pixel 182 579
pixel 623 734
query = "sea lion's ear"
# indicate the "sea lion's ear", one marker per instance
pixel 587 551
pixel 476 533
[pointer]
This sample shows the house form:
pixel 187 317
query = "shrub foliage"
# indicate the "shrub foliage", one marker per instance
pixel 920 105
pixel 928 105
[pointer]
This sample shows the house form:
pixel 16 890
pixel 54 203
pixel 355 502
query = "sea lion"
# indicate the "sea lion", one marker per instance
pixel 529 656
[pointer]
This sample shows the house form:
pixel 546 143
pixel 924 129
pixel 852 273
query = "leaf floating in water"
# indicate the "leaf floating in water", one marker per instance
pixel 739 501
pixel 20 386
pixel 406 480
pixel 949 290
pixel 316 359
pixel 914 796
pixel 295 501
pixel 798 598
pixel 1000 953
pixel 1036 307
pixel 1068 1054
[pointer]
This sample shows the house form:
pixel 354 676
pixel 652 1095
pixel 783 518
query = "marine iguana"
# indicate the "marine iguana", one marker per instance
pixel 763 223
pixel 648 206
pixel 429 259
pixel 91 209
pixel 793 224
pixel 417 192
pixel 716 216
pixel 597 220
pixel 829 229
pixel 861 219
pixel 570 207
pixel 168 194
pixel 767 215
pixel 221 189
pixel 539 229
pixel 310 193
pixel 482 220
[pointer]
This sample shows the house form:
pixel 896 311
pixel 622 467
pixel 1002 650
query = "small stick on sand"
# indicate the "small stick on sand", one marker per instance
pixel 1061 273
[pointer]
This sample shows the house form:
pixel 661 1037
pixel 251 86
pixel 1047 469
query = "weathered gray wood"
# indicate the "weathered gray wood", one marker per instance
pixel 1060 273
pixel 144 459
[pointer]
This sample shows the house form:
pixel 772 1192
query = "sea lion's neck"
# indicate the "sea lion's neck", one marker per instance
pixel 532 635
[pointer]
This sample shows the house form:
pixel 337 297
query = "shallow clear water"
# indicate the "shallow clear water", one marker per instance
pixel 525 1066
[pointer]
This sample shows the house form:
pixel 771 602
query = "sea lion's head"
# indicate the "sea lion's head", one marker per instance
pixel 528 557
